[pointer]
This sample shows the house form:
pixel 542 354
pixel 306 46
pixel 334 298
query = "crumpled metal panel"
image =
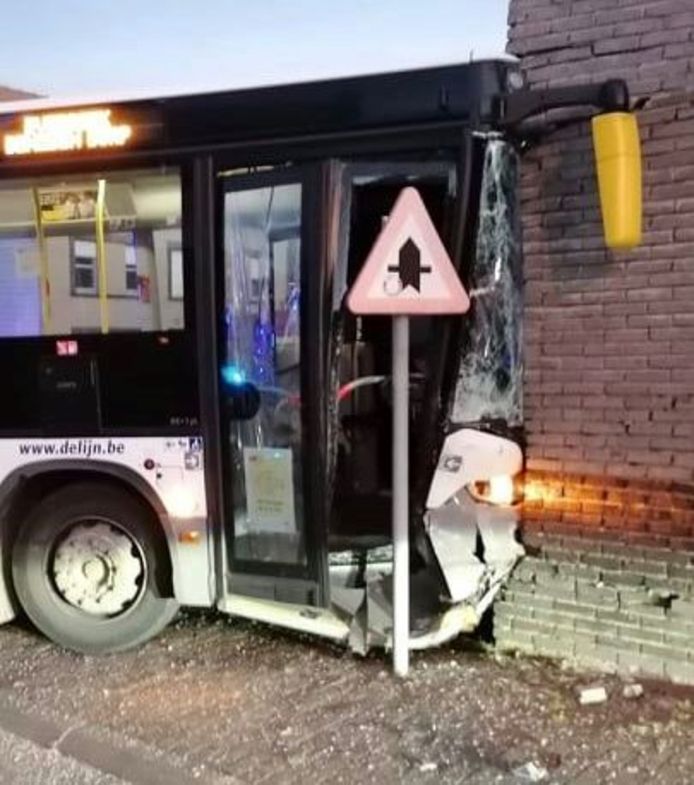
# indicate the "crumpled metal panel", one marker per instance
pixel 452 531
pixel 476 547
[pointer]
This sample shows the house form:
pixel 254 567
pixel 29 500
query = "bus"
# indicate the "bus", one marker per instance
pixel 190 415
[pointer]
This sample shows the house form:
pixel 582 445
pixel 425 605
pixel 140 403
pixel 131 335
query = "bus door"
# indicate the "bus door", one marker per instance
pixel 271 377
pixel 361 492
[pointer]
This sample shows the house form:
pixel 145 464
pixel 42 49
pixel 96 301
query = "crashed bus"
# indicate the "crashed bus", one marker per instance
pixel 190 415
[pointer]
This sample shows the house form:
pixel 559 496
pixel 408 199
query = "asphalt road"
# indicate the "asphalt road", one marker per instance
pixel 222 702
pixel 24 762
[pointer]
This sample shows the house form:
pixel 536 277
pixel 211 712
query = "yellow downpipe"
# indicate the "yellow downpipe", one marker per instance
pixel 618 163
pixel 101 255
pixel 43 266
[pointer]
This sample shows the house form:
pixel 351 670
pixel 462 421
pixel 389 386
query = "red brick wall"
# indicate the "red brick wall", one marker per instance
pixel 609 387
pixel 609 355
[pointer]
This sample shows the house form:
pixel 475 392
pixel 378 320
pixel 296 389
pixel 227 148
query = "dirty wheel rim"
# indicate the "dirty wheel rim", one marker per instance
pixel 98 568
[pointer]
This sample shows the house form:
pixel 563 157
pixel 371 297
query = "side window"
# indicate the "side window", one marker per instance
pixel 84 267
pixel 131 284
pixel 91 254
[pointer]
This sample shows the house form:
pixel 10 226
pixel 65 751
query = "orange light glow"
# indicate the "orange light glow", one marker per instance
pixel 60 131
pixel 501 489
pixel 189 537
pixel 537 491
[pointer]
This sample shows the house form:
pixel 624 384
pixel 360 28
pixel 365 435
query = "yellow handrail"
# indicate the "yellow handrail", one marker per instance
pixel 43 262
pixel 101 254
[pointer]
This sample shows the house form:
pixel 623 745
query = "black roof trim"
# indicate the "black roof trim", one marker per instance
pixel 459 93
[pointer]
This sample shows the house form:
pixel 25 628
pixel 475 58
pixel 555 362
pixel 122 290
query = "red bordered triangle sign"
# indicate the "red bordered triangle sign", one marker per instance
pixel 408 270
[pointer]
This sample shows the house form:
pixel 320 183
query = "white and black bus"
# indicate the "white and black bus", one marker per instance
pixel 189 415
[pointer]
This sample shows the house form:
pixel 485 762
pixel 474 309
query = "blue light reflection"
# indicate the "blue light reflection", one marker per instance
pixel 233 375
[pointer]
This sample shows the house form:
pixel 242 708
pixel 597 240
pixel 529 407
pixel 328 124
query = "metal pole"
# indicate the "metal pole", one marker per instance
pixel 401 544
pixel 101 254
pixel 43 262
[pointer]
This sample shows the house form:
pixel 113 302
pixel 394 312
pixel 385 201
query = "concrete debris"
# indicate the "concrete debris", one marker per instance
pixel 588 696
pixel 632 691
pixel 531 772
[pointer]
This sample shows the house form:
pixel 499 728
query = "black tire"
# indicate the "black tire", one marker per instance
pixel 46 525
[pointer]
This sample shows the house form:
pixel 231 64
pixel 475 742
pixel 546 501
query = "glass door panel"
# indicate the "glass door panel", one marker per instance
pixel 262 348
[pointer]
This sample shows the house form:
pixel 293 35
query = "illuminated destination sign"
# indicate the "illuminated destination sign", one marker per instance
pixel 88 129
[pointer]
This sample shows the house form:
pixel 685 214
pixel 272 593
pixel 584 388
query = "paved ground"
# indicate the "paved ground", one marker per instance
pixel 28 763
pixel 224 702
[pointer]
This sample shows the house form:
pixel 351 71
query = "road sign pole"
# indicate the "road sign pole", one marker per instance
pixel 401 534
pixel 408 272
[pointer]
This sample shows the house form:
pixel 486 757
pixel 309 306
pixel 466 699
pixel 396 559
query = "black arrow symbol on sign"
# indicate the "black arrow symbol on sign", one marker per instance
pixel 409 266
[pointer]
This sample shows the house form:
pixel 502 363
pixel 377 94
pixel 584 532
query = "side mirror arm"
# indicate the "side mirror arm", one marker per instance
pixel 610 96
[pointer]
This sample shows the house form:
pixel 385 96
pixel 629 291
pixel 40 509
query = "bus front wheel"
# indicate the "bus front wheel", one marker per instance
pixel 88 569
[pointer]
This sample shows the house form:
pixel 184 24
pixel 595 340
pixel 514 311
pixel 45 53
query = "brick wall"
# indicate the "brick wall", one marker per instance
pixel 609 576
pixel 609 353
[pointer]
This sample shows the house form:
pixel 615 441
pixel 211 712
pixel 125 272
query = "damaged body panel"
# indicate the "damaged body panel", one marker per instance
pixel 473 543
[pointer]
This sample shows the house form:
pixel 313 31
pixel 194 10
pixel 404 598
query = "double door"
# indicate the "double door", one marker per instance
pixel 290 241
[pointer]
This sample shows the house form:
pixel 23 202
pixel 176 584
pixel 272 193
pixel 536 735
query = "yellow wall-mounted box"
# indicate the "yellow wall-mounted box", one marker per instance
pixel 618 163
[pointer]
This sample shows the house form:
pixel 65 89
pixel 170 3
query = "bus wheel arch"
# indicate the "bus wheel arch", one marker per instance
pixel 27 485
pixel 73 534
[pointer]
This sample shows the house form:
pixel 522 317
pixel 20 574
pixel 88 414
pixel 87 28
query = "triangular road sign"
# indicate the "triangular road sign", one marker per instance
pixel 408 271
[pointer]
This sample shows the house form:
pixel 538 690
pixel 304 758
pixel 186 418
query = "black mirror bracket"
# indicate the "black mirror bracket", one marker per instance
pixel 609 96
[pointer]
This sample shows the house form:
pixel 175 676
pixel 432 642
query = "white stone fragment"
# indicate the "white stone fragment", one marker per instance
pixel 531 772
pixel 587 696
pixel 632 691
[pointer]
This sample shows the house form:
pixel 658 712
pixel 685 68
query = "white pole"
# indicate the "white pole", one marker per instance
pixel 401 544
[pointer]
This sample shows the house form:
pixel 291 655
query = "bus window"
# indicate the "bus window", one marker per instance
pixel 91 254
